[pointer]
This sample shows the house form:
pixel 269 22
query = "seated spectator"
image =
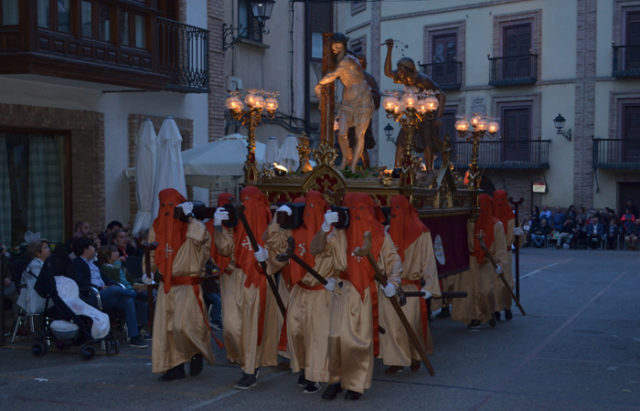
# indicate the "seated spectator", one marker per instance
pixel 580 233
pixel 567 231
pixel 111 267
pixel 9 296
pixel 112 295
pixel 29 300
pixel 104 236
pixel 627 219
pixel 120 239
pixel 81 229
pixel 546 213
pixel 631 239
pixel 539 236
pixel 594 233
pixel 611 235
pixel 557 220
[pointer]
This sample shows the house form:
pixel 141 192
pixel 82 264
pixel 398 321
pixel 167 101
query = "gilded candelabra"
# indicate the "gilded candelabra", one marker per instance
pixel 257 101
pixel 482 126
pixel 410 108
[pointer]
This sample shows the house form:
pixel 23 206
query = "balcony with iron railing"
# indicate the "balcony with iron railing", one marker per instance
pixel 513 70
pixel 447 75
pixel 500 154
pixel 616 153
pixel 626 61
pixel 112 42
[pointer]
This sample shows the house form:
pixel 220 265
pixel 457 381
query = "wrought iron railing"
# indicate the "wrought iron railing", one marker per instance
pixel 616 153
pixel 626 61
pixel 513 70
pixel 183 54
pixel 500 154
pixel 447 75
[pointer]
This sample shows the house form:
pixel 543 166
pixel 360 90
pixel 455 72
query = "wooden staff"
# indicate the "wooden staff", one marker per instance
pixel 515 205
pixel 290 254
pixel 501 274
pixel 365 251
pixel 254 244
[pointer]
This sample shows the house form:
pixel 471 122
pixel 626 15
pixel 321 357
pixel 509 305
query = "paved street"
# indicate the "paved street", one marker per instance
pixel 577 348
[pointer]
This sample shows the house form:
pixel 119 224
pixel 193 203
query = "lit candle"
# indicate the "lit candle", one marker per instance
pixel 482 125
pixel 271 104
pixel 432 103
pixel 233 103
pixel 462 125
pixel 409 100
pixel 389 103
pixel 259 102
pixel 250 99
pixel 475 120
pixel 493 127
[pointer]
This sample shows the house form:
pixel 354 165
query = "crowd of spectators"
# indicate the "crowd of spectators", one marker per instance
pixel 593 229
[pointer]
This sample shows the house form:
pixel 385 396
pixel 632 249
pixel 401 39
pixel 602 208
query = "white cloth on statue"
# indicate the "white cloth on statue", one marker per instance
pixel 272 153
pixel 289 153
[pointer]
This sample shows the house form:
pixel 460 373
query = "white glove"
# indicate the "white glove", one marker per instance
pixel 219 216
pixel 426 294
pixel 146 279
pixel 187 207
pixel 389 290
pixel 330 217
pixel 285 209
pixel 498 269
pixel 261 255
pixel 331 284
pixel 518 231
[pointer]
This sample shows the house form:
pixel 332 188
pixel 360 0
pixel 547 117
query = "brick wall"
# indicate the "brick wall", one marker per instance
pixel 86 129
pixel 517 184
pixel 135 120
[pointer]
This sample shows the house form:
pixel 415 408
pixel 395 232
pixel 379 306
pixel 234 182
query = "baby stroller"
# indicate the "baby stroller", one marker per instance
pixel 70 321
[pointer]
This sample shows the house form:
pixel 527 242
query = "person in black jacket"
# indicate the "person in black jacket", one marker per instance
pixel 112 295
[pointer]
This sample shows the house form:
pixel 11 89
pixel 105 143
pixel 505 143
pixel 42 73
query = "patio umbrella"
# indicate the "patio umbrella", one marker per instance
pixel 273 151
pixel 289 156
pixel 146 142
pixel 169 170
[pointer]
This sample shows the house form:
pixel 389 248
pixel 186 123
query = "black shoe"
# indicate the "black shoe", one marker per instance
pixel 195 368
pixel 444 313
pixel 247 381
pixel 331 391
pixel 475 324
pixel 507 314
pixel 311 388
pixel 302 382
pixel 497 315
pixel 137 342
pixel 352 395
pixel 492 323
pixel 145 334
pixel 175 373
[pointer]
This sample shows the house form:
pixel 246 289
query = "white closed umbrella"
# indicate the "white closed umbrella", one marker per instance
pixel 169 170
pixel 272 155
pixel 289 156
pixel 146 152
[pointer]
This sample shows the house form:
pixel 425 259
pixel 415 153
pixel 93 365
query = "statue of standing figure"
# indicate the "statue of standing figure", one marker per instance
pixel 357 105
pixel 427 136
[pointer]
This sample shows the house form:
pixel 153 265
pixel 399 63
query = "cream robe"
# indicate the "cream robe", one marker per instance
pixel 478 281
pixel 419 264
pixel 241 313
pixel 180 328
pixel 503 296
pixel 309 311
pixel 351 330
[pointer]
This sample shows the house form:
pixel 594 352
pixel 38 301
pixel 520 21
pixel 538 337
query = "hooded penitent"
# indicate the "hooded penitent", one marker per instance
pixel 221 261
pixel 170 233
pixel 405 225
pixel 314 209
pixel 485 222
pixel 501 208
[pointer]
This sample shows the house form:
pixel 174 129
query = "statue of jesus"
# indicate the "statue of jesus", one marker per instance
pixel 357 106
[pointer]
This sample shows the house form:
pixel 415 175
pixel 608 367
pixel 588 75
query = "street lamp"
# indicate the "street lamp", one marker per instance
pixel 260 10
pixel 409 108
pixel 257 102
pixel 559 122
pixel 474 130
pixel 388 132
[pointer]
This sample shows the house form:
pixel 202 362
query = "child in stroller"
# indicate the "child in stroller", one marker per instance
pixel 70 321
